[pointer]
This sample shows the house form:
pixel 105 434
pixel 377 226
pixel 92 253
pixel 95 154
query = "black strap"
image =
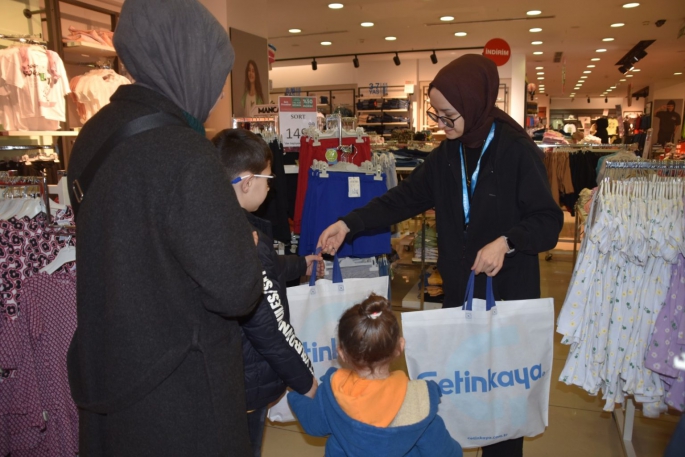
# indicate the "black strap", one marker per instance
pixel 80 185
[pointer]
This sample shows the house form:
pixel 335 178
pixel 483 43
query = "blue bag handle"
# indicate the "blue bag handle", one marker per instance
pixel 337 272
pixel 489 294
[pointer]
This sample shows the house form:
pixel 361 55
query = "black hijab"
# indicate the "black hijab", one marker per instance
pixel 471 84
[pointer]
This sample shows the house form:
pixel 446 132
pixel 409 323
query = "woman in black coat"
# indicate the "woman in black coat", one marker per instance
pixel 166 258
pixel 488 185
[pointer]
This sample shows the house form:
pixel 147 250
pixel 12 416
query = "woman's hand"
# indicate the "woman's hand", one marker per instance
pixel 491 258
pixel 255 237
pixel 320 266
pixel 331 238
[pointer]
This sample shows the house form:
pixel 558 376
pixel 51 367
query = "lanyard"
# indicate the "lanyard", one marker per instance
pixel 474 178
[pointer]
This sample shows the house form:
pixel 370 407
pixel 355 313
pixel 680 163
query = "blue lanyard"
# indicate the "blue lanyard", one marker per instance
pixel 474 177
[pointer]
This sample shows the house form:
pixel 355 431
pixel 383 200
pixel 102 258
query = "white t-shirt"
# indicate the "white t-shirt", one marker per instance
pixel 250 102
pixel 570 129
pixel 95 88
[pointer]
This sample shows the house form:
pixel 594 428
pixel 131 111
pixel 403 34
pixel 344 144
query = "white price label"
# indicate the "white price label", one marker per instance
pixel 354 187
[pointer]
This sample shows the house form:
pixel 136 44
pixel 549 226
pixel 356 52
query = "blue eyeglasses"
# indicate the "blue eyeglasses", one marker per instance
pixel 242 178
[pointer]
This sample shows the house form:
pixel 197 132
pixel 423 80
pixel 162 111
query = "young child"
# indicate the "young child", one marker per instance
pixel 273 356
pixel 367 409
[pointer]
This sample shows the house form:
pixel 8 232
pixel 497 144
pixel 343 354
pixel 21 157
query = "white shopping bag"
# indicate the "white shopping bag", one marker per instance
pixel 492 361
pixel 314 313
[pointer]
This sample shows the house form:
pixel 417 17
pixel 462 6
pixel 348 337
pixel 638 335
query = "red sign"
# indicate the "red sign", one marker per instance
pixel 498 51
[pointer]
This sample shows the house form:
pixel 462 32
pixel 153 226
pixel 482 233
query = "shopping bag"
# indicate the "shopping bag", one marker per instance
pixel 492 362
pixel 315 310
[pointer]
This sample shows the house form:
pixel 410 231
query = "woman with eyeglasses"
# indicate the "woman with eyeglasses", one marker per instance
pixel 489 187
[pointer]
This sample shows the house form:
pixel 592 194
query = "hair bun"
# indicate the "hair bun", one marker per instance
pixel 374 306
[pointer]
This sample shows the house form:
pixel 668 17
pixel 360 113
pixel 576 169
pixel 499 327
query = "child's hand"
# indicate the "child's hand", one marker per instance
pixel 312 391
pixel 320 266
pixel 256 238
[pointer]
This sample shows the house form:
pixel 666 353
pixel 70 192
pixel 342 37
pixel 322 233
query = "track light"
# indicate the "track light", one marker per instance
pixel 396 59
pixel 314 65
pixel 606 99
pixel 355 61
pixel 434 58
pixel 588 99
pixel 624 69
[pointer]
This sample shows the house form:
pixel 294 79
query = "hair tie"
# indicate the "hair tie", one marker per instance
pixel 375 315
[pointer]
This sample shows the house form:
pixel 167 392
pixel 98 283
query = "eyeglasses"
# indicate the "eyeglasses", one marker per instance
pixel 242 178
pixel 445 120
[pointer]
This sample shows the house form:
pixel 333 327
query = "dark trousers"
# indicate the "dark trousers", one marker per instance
pixel 676 447
pixel 510 448
pixel 255 427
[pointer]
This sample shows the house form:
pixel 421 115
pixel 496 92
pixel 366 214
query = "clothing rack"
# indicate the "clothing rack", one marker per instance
pixel 27 147
pixel 25 39
pixel 8 180
pixel 625 421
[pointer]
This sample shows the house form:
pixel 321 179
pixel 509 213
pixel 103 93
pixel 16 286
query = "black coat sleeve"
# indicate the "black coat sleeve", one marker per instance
pixel 211 238
pixel 541 218
pixel 270 333
pixel 412 196
pixel 292 267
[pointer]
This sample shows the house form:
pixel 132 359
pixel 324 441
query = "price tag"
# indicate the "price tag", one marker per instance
pixel 354 187
pixel 378 88
pixel 295 114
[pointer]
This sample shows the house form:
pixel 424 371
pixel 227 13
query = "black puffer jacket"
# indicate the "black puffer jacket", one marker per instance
pixel 273 356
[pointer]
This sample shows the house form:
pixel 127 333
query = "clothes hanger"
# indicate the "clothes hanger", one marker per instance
pixel 66 254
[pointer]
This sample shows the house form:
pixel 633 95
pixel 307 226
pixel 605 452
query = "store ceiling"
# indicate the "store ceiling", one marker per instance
pixel 575 29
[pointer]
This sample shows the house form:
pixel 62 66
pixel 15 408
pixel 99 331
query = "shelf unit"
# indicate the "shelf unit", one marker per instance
pixel 392 92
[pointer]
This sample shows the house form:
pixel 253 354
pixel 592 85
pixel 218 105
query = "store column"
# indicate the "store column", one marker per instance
pixel 518 88
pixel 233 13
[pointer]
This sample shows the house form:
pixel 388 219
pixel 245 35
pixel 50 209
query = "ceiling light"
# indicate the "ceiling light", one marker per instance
pixel 538 53
pixel 635 69
pixel 618 24
pixel 534 13
pixel 390 38
pixel 355 62
pixel 629 76
pixel 367 24
pixel 607 39
pixel 314 65
pixel 601 50
pixel 396 59
pixel 541 72
pixel 613 87
pixel 326 43
pixel 631 5
pixel 447 18
pixel 460 34
pixel 434 58
pixel 677 73
pixel 591 66
pixel 541 78
pixel 573 93
pixel 587 72
pixel 539 68
pixel 535 30
pixel 623 80
pixel 335 6
pixel 583 77
pixel 536 43
pixel 294 30
pixel 595 59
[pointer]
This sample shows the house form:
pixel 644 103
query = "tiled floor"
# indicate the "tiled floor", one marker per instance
pixel 577 425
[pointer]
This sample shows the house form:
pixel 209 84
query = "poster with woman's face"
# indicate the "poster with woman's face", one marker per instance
pixel 250 75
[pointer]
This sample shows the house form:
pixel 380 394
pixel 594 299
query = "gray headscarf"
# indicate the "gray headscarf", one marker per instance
pixel 176 48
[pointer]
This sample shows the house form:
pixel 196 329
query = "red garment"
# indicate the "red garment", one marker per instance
pixel 309 153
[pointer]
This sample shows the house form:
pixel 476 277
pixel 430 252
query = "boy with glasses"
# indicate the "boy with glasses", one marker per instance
pixel 273 356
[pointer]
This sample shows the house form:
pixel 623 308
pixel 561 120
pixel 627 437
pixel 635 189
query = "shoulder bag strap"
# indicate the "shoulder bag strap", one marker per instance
pixel 80 185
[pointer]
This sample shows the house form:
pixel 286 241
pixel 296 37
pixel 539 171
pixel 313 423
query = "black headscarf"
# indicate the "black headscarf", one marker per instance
pixel 176 48
pixel 471 84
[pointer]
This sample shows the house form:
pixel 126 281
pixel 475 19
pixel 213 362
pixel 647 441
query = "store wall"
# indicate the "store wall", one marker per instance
pixel 12 20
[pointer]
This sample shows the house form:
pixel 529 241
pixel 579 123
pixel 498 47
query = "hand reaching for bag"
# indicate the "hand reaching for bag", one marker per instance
pixel 333 237
pixel 491 258
pixel 320 265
